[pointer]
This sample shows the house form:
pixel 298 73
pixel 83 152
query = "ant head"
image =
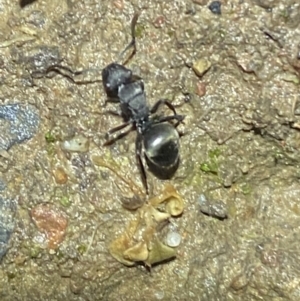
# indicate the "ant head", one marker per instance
pixel 113 76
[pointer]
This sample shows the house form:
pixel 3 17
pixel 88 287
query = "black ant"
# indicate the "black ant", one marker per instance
pixel 156 137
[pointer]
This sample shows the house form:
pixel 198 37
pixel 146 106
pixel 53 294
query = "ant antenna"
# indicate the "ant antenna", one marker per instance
pixel 132 42
pixel 79 77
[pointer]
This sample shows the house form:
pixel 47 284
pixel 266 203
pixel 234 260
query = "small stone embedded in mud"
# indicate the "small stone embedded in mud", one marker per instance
pixel 173 239
pixel 37 18
pixel 78 143
pixel 159 295
pixel 215 209
pixel 239 282
pixel 270 256
pixel 133 202
pixel 159 22
pixel 201 66
pixel 7 210
pixel 18 123
pixel 119 4
pixel 50 221
pixel 60 175
pixel 200 89
pixel 215 7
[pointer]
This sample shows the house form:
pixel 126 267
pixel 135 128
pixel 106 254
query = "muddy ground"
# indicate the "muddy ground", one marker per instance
pixel 239 171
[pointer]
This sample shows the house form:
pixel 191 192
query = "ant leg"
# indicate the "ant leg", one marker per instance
pixel 163 102
pixel 120 136
pixel 83 77
pixel 116 129
pixel 160 102
pixel 132 42
pixel 138 155
pixel 114 113
pixel 177 117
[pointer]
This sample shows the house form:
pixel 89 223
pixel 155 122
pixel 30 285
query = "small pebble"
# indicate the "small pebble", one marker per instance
pixel 173 239
pixel 132 203
pixel 50 221
pixel 76 144
pixel 215 7
pixel 60 176
pixel 159 295
pixel 200 89
pixel 201 66
pixel 119 4
pixel 159 22
pixel 37 18
pixel 216 209
pixel 202 200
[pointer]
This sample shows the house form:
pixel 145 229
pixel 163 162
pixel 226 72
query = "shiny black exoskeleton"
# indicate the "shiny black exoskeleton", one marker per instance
pixel 156 137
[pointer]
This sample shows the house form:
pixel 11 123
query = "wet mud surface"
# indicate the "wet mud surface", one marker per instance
pixel 63 195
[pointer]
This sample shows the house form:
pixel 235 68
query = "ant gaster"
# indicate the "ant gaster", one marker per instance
pixel 156 137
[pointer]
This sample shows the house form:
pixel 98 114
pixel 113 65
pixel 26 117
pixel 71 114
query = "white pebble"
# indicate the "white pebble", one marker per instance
pixel 202 200
pixel 159 295
pixel 77 144
pixel 173 239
